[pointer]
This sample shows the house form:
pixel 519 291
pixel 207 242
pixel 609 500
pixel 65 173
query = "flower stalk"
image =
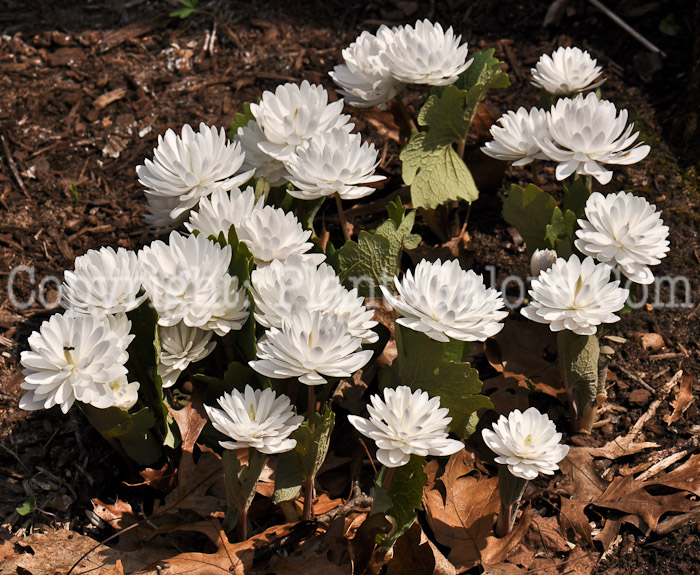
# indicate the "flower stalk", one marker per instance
pixel 511 489
pixel 341 217
pixel 579 357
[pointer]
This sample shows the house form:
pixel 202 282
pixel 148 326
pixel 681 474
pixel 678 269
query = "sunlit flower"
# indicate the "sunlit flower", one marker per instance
pixel 406 423
pixel 566 71
pixel 624 230
pixel 104 282
pixel 72 357
pixel 273 234
pixel 333 162
pixel 528 443
pixel 222 209
pixel 255 418
pixel 180 346
pixel 577 296
pixel 188 281
pixel 425 54
pixel 585 133
pixel 516 139
pixel 541 261
pixel 282 288
pixel 188 167
pixel 364 79
pixel 126 393
pixel 308 346
pixel 293 115
pixel 264 165
pixel 444 301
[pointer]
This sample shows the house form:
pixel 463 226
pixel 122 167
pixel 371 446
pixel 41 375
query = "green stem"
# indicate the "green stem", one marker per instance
pixel 405 113
pixel 511 490
pixel 343 221
pixel 309 482
pixel 388 476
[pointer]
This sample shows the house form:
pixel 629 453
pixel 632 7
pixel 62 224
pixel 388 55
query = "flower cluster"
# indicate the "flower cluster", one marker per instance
pixel 581 134
pixel 576 296
pixel 528 443
pixel 377 67
pixel 444 301
pixel 298 136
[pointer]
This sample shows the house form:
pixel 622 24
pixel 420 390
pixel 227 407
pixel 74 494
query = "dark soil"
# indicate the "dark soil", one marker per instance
pixel 87 90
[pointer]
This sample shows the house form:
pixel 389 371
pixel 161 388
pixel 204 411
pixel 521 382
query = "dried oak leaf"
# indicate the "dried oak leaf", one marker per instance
pixel 461 510
pixel 414 553
pixel 629 495
pixel 232 558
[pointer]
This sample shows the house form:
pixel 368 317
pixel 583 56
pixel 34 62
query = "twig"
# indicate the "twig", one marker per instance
pixel 663 464
pixel 627 28
pixel 13 166
pixel 636 378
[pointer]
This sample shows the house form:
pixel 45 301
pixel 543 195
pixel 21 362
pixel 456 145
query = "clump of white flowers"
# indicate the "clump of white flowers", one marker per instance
pixel 517 138
pixel 425 54
pixel 187 168
pixel 256 418
pixel 364 79
pixel 528 443
pixel 405 423
pixel 377 67
pixel 585 134
pixel 187 280
pixel 294 114
pixel 308 346
pixel 104 281
pixel 444 301
pixel 181 345
pixel 575 295
pixel 334 162
pixel 283 288
pixel 623 230
pixel 74 357
pixel 566 72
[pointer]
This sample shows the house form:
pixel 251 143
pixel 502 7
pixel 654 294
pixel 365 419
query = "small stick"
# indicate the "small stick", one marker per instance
pixel 627 28
pixel 13 166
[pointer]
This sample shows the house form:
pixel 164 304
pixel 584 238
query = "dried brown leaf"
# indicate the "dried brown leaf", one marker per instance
pixel 414 553
pixel 684 398
pixel 497 549
pixel 461 512
pixel 230 558
pixel 629 495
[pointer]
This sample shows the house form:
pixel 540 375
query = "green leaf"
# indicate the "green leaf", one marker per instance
pixel 240 481
pixel 576 194
pixel 144 356
pixel 560 232
pixel 133 431
pixel 530 211
pixel 262 188
pixel 484 73
pixel 442 115
pixel 435 172
pixel 375 258
pixel 182 13
pixel 438 368
pixel 240 120
pixel 578 362
pixel 293 467
pixel 27 507
pixel 404 496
